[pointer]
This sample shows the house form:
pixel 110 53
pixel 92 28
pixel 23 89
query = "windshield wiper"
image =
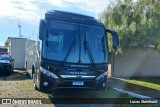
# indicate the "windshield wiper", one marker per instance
pixel 89 52
pixel 68 52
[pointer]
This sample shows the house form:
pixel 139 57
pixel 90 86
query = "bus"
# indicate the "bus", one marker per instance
pixel 72 52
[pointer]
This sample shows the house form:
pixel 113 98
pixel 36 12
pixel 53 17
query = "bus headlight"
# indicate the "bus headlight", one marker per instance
pixel 44 71
pixel 48 73
pixel 102 75
pixel 54 76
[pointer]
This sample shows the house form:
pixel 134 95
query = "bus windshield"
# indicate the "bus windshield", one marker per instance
pixel 94 43
pixel 66 42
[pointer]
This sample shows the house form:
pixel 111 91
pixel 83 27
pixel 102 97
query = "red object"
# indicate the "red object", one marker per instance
pixel 4 53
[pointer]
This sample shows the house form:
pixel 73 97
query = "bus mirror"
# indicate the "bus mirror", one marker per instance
pixel 115 38
pixel 42 29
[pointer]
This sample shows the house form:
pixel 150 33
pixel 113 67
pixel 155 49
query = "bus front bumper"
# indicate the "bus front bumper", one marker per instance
pixel 49 81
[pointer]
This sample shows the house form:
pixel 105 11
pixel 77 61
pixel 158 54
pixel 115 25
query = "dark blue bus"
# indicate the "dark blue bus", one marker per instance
pixel 72 52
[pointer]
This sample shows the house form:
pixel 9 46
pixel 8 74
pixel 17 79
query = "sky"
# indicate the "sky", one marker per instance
pixel 27 13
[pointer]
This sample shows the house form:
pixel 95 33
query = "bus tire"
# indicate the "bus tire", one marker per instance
pixel 9 73
pixel 35 87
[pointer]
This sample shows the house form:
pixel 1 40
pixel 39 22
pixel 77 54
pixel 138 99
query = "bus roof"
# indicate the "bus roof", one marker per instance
pixel 71 17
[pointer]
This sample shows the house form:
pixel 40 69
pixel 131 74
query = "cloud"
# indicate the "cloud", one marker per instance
pixel 92 6
pixel 58 3
pixel 19 9
pixel 31 10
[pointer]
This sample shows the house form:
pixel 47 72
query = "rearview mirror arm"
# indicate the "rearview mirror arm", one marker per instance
pixel 115 38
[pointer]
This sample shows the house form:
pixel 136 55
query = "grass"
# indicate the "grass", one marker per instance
pixel 153 83
pixel 20 89
pixel 144 86
pixel 19 85
pixel 110 93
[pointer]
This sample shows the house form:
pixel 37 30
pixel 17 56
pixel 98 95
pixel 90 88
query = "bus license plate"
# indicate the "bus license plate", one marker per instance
pixel 78 83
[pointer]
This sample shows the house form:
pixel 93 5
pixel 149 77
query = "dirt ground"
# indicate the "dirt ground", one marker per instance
pixel 20 86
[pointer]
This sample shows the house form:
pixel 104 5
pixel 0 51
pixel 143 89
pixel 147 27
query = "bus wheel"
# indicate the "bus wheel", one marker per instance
pixel 9 73
pixel 40 88
pixel 103 86
pixel 35 87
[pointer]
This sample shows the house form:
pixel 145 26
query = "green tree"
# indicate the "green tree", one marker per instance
pixel 137 22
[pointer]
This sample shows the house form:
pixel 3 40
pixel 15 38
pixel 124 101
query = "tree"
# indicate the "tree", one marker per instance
pixel 137 22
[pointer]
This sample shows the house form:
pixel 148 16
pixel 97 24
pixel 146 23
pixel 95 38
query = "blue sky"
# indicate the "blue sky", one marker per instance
pixel 29 12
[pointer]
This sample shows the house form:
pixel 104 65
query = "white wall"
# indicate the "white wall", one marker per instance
pixel 136 62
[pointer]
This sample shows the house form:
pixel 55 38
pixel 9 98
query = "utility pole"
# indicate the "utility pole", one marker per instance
pixel 19 26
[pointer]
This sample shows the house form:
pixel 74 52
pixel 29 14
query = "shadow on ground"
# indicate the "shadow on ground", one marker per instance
pixel 79 96
pixel 16 75
pixel 72 93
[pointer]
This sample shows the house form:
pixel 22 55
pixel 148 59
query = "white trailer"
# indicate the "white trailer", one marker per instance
pixel 17 49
